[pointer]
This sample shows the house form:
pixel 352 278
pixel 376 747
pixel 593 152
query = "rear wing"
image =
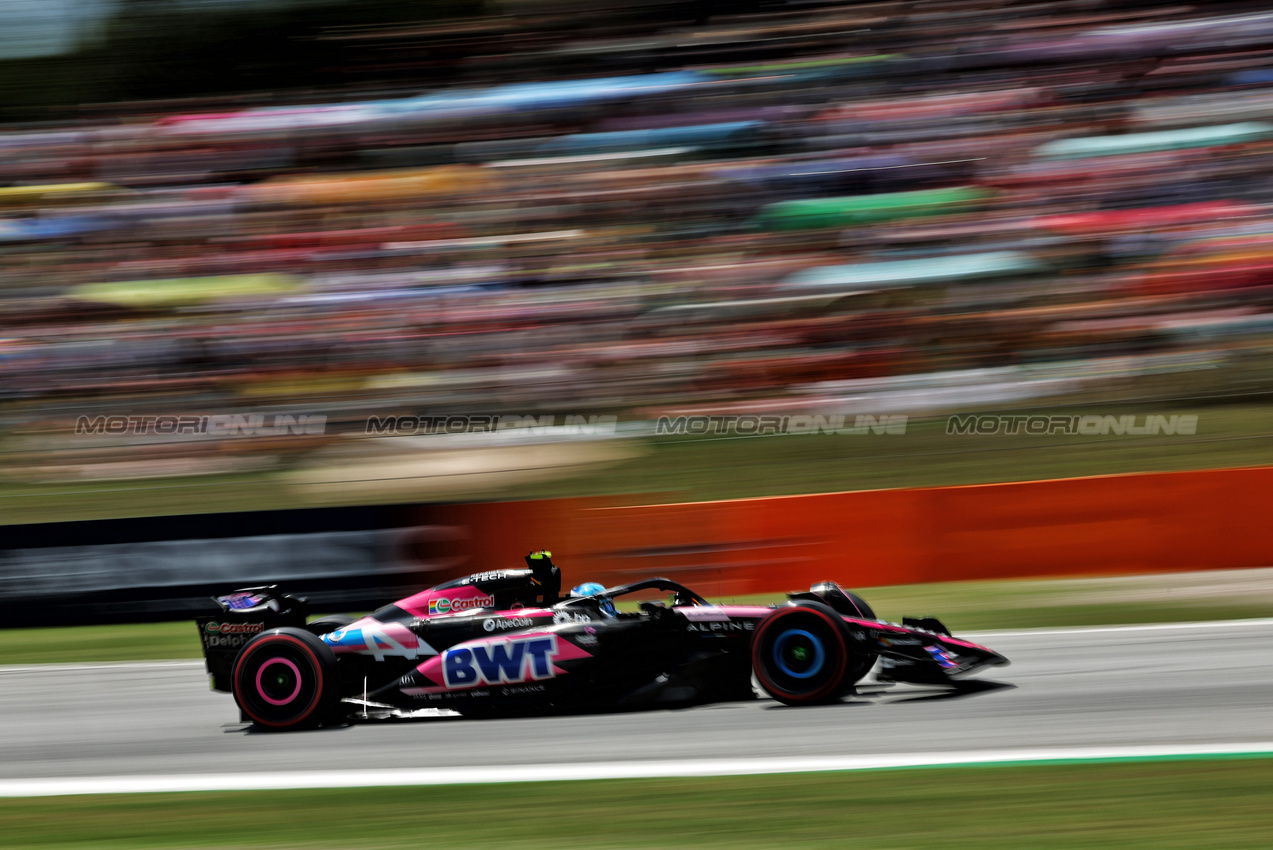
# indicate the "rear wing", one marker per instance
pixel 245 613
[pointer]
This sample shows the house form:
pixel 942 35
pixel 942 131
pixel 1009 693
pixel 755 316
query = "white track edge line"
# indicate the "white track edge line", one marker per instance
pixel 511 773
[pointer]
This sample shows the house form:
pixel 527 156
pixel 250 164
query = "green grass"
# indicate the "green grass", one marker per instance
pixel 695 469
pixel 1164 805
pixel 690 469
pixel 26 503
pixel 80 644
pixel 963 606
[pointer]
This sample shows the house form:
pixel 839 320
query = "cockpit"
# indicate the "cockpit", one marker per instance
pixel 592 599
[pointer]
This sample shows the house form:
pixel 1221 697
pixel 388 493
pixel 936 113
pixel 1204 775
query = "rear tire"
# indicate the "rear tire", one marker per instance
pixel 330 623
pixel 286 679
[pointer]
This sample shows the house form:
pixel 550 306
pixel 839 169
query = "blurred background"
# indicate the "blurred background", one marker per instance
pixel 638 209
pixel 293 216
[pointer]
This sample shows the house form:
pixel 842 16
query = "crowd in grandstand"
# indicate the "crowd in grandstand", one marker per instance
pixel 806 202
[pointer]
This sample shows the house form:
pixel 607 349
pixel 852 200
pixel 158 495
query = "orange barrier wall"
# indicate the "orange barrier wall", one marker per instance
pixel 1155 522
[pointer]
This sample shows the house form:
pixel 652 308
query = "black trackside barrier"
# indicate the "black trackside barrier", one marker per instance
pixel 168 568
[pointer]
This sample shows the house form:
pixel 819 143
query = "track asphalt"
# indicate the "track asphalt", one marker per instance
pixel 1182 690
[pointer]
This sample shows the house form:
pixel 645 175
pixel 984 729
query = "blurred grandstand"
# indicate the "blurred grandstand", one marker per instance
pixel 881 207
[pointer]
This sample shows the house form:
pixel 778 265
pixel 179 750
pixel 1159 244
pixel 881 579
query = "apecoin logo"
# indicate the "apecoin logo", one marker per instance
pixel 507 623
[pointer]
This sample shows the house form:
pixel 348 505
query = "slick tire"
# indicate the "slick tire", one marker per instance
pixel 331 623
pixel 286 679
pixel 850 604
pixel 861 661
pixel 844 601
pixel 801 654
pixel 864 610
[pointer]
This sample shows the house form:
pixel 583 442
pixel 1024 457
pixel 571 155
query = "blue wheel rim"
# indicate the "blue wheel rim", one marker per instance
pixel 779 653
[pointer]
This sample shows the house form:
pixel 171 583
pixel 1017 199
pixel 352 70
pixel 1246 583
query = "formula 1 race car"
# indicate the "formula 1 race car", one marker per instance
pixel 505 641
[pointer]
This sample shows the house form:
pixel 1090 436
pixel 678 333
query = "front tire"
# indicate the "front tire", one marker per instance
pixel 801 654
pixel 286 679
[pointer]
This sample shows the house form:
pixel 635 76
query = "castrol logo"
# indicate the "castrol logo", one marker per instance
pixel 454 606
pixel 234 628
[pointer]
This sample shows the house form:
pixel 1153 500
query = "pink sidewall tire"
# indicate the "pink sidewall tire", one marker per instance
pixel 287 679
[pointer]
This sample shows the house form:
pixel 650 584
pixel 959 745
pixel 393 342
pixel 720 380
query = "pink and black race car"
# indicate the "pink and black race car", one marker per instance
pixel 505 641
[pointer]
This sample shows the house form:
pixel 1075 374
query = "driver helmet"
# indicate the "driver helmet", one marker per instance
pixel 588 588
pixel 594 588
